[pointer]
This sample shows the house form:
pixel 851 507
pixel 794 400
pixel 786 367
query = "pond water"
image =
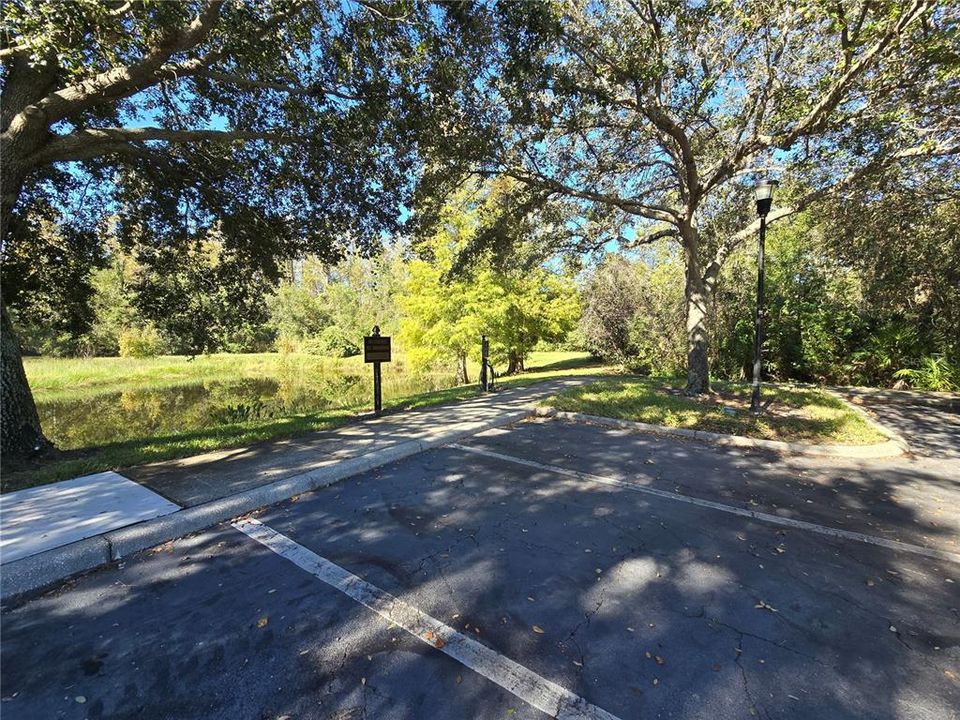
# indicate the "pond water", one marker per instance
pixel 154 412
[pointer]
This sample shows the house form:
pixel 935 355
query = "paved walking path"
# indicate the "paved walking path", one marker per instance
pixel 202 478
pixel 116 500
pixel 929 422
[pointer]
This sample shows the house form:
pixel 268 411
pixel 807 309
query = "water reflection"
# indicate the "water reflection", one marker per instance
pixel 149 412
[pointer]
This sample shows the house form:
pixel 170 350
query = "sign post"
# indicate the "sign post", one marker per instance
pixel 376 349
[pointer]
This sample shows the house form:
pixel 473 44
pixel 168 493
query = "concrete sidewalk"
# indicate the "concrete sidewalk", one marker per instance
pixel 217 486
pixel 203 478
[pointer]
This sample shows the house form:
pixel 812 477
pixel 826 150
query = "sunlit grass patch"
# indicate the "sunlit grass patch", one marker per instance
pixel 790 413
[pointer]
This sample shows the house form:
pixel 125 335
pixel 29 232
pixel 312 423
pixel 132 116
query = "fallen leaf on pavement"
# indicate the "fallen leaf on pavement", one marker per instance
pixel 262 622
pixel 537 629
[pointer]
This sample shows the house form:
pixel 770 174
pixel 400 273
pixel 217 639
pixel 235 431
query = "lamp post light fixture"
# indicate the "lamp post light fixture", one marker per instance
pixel 764 196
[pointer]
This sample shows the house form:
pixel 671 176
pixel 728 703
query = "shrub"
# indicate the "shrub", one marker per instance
pixel 287 344
pixel 334 342
pixel 140 342
pixel 935 373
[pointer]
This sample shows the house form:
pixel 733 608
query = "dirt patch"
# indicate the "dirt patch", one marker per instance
pixel 736 404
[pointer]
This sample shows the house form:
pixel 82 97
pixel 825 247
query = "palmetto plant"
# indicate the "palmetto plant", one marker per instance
pixel 935 373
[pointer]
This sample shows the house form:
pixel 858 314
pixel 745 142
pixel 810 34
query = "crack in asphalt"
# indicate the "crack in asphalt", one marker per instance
pixel 754 705
pixel 740 633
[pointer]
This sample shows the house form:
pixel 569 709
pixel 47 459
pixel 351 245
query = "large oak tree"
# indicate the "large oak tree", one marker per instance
pixel 272 128
pixel 645 119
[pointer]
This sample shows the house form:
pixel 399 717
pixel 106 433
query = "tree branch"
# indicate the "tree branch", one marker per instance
pixel 123 8
pixel 829 101
pixel 634 207
pixel 654 236
pixel 120 81
pixel 950 146
pixel 93 142
pixel 314 90
pixel 665 123
pixel 369 6
pixel 14 50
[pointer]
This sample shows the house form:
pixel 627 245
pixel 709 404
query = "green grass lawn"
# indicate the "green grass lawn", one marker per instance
pixel 108 413
pixel 791 413
pixel 55 379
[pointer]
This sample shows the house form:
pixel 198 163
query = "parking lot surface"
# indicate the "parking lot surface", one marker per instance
pixel 547 569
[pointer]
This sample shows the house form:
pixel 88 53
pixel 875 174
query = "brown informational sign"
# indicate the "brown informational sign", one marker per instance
pixel 376 348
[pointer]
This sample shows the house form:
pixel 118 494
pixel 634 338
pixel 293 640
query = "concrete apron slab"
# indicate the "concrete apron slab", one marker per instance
pixel 37 571
pixel 38 519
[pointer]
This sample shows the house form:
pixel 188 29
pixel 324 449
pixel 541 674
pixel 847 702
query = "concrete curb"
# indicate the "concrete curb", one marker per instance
pixel 891 448
pixel 51 566
pixel 44 569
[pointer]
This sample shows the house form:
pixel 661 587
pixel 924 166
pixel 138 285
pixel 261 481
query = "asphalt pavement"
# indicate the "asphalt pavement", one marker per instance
pixel 543 563
pixel 930 422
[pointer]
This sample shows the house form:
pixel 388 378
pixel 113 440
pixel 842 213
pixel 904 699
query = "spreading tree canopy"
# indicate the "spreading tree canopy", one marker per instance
pixel 635 120
pixel 271 128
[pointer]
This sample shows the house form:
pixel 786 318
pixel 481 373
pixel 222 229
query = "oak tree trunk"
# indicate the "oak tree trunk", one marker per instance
pixel 19 421
pixel 514 362
pixel 20 137
pixel 698 308
pixel 20 432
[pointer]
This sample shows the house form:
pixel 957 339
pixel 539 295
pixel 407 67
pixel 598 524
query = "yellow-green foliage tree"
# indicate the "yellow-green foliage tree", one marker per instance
pixel 526 308
pixel 444 313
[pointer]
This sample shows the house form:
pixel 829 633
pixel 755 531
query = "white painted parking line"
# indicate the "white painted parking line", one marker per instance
pixel 733 510
pixel 533 689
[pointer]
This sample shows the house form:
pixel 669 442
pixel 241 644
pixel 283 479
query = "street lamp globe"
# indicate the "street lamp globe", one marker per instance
pixel 764 194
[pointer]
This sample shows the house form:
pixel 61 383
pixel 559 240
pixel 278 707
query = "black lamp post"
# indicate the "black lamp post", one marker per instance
pixel 764 195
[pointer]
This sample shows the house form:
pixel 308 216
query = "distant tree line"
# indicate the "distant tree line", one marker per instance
pixel 871 301
pixel 119 304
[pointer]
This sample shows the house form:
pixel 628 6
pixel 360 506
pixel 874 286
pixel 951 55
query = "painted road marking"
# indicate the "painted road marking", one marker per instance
pixel 533 689
pixel 733 510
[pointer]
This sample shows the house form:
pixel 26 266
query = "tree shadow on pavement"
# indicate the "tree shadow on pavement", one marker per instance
pixel 647 606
